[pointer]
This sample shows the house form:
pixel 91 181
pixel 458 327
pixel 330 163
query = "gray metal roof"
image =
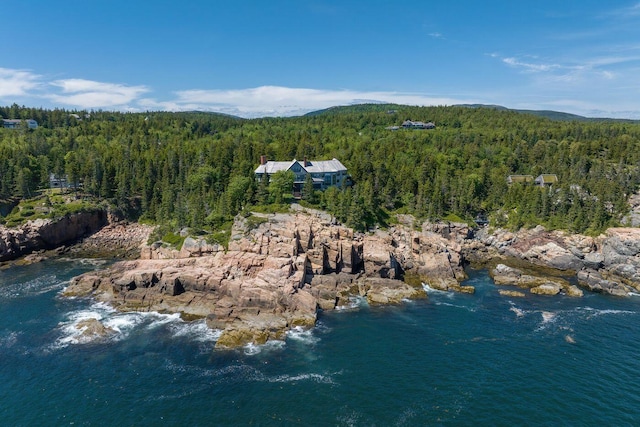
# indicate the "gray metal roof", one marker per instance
pixel 313 166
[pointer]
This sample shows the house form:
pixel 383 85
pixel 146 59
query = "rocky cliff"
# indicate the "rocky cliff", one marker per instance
pixel 48 233
pixel 277 274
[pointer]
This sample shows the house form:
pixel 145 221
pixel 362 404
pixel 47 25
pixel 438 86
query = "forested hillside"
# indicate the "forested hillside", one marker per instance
pixel 196 169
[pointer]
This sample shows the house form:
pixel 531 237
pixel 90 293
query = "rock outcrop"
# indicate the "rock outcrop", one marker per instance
pixel 542 284
pixel 281 269
pixel 277 274
pixel 48 233
pixel 609 263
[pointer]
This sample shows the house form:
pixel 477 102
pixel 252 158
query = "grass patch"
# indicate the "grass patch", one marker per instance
pixel 455 218
pixel 220 235
pixel 174 240
pixel 271 209
pixel 254 222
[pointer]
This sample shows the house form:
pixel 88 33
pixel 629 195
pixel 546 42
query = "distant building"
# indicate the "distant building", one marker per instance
pixel 409 124
pixel 324 173
pixel 520 179
pixel 546 180
pixel 15 123
pixel 57 181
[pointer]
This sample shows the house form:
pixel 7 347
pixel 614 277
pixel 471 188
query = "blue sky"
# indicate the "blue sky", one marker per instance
pixel 283 57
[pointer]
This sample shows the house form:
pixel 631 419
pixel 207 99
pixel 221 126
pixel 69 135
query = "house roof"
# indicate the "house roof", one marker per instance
pixel 410 123
pixel 547 178
pixel 317 166
pixel 520 178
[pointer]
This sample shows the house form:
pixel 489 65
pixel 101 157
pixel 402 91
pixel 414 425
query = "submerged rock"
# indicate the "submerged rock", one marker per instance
pixel 93 328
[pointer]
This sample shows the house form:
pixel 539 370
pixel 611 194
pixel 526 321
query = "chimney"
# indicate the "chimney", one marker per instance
pixel 263 160
pixel 305 162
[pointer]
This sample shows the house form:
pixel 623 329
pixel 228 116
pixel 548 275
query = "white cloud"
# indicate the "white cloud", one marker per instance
pixel 285 101
pixel 91 94
pixel 605 85
pixel 17 82
pixel 585 71
pixel 527 66
pixel 626 12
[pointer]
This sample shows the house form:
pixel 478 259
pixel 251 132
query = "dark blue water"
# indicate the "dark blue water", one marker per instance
pixel 453 359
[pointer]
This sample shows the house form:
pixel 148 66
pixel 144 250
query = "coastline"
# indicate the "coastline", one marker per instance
pixel 278 274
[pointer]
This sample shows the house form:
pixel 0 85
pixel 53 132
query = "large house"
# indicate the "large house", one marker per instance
pixel 15 123
pixel 324 173
pixel 409 124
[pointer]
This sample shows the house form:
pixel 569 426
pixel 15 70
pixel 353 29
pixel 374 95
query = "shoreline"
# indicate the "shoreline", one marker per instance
pixel 277 275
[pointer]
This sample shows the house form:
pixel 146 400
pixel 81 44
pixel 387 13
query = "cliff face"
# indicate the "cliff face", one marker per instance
pixel 275 276
pixel 48 233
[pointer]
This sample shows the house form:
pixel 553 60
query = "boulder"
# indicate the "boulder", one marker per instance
pixel 546 289
pixel 507 293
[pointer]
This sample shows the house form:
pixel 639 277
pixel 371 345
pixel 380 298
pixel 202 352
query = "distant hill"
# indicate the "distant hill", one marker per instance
pixel 209 113
pixel 357 108
pixel 548 114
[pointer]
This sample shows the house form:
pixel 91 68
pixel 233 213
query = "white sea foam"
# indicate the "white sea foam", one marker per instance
pixel 318 378
pixel 428 289
pixel 120 324
pixel 271 345
pixel 196 331
pixel 548 316
pixel 355 302
pixel 72 333
pixel 8 339
pixel 519 312
pixel 599 312
pixel 305 336
pixel 157 319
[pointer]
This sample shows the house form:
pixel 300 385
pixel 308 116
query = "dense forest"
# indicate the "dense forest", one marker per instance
pixel 196 169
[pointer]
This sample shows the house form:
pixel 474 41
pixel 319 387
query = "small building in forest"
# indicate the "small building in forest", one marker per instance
pixel 324 173
pixel 546 180
pixel 520 179
pixel 56 181
pixel 16 123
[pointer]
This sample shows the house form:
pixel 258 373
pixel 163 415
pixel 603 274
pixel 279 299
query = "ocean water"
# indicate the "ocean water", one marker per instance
pixel 452 359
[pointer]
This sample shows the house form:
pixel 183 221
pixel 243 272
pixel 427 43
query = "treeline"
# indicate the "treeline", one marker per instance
pixel 196 169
